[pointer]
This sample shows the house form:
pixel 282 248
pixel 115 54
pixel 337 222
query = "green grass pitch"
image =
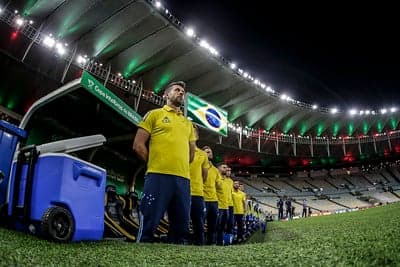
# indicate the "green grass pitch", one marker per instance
pixel 363 238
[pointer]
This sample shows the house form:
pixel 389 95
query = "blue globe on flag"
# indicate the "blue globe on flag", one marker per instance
pixel 213 118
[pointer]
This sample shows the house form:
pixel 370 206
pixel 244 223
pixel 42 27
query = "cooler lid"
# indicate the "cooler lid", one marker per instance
pixel 73 144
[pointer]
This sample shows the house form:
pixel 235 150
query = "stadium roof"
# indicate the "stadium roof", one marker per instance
pixel 141 41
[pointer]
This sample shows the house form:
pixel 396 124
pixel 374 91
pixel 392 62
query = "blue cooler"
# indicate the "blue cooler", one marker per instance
pixel 228 239
pixel 57 195
pixel 9 137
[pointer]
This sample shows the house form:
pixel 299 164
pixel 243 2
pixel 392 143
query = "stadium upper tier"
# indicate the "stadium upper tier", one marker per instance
pixel 131 41
pixel 135 48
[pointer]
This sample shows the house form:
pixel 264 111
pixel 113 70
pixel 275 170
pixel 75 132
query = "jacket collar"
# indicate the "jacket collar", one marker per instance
pixel 169 109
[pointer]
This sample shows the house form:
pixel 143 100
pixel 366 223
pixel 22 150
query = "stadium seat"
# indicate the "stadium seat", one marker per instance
pixel 131 208
pixel 116 224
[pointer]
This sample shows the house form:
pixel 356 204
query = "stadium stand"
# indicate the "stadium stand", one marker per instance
pixel 348 200
pixel 358 181
pixel 333 191
pixel 321 183
pixel 384 197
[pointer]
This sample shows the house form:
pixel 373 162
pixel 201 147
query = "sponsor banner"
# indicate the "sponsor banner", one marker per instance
pixel 109 98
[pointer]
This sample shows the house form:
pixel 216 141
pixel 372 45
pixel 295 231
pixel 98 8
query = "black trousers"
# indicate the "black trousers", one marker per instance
pixel 222 221
pixel 212 219
pixel 239 224
pixel 231 221
pixel 197 216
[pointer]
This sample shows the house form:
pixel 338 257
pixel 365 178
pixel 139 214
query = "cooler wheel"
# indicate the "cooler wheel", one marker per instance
pixel 58 224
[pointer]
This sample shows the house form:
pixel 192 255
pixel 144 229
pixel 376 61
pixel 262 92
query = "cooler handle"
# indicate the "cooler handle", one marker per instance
pixel 87 172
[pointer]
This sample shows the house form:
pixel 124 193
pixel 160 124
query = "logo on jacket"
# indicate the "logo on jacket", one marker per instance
pixel 166 120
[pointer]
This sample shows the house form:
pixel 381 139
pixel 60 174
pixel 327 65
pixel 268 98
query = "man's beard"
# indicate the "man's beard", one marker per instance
pixel 177 102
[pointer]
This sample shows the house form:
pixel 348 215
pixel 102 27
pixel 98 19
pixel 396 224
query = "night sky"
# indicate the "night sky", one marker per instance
pixel 347 56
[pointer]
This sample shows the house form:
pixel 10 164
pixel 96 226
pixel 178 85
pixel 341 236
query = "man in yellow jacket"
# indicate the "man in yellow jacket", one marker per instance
pixel 171 148
pixel 198 175
pixel 210 197
pixel 224 193
pixel 239 209
pixel 230 223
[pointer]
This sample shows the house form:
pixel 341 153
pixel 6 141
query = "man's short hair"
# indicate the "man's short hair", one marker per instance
pixel 169 86
pixel 205 147
pixel 221 163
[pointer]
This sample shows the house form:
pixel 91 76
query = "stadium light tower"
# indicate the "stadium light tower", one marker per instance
pixel 204 43
pixel 80 59
pixel 213 51
pixel 60 49
pixel 158 4
pixel 353 112
pixel 190 32
pixel 49 41
pixel 19 22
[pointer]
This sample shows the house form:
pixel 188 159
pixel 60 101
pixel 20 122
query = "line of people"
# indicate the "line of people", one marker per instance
pixel 225 203
pixel 182 180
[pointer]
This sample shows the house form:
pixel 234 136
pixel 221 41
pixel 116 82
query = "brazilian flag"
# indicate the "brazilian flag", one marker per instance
pixel 207 115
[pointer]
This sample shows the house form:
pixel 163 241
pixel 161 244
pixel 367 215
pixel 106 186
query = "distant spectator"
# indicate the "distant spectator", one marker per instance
pixel 279 205
pixel 304 214
pixel 288 205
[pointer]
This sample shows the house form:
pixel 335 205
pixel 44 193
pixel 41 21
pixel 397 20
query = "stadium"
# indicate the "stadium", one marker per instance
pixel 79 76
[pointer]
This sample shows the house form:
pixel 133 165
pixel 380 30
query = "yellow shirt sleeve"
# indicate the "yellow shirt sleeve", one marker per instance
pixel 192 137
pixel 148 122
pixel 218 181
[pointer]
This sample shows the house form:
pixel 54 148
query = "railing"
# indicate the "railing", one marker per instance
pixel 322 140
